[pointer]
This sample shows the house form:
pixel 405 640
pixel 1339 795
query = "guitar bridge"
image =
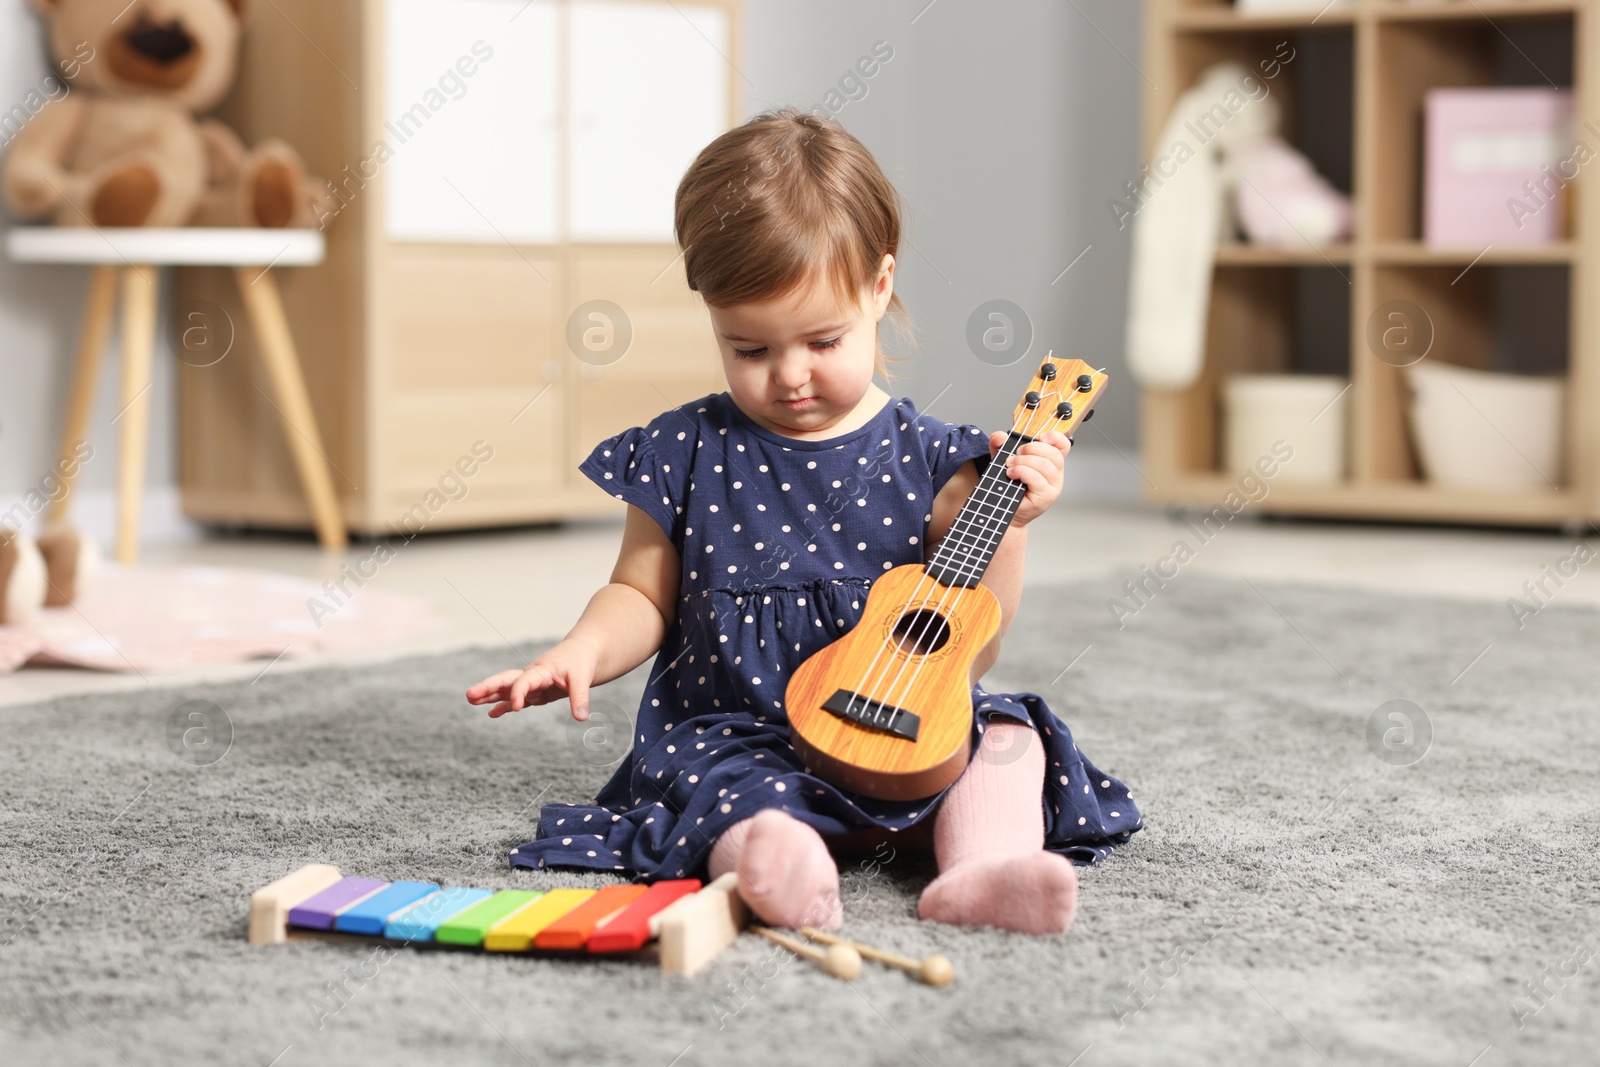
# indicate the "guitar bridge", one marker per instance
pixel 873 714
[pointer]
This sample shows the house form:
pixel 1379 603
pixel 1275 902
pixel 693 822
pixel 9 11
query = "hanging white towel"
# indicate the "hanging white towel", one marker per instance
pixel 1176 227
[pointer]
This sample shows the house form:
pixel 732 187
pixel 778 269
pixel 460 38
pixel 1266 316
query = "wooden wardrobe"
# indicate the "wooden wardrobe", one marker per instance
pixel 501 266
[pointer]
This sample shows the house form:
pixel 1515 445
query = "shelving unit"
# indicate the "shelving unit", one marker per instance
pixel 1352 99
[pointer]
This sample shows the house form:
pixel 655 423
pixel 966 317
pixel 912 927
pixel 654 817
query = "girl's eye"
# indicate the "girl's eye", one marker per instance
pixel 757 353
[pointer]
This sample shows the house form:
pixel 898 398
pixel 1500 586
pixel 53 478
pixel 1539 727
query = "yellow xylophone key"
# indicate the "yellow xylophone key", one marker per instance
pixel 516 932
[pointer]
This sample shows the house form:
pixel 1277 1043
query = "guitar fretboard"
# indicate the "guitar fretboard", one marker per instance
pixel 970 544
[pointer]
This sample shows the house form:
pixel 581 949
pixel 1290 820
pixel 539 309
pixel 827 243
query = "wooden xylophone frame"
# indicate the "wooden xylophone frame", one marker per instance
pixel 684 936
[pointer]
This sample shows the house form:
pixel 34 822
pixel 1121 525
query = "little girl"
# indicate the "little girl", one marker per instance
pixel 760 517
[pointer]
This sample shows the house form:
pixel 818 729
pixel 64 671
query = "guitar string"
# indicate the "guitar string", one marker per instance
pixel 981 542
pixel 1001 531
pixel 916 591
pixel 934 623
pixel 911 597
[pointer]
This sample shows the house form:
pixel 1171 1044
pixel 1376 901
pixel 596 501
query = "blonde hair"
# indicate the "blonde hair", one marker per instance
pixel 769 204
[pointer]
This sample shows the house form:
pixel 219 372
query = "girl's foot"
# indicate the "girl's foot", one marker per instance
pixel 786 873
pixel 1031 892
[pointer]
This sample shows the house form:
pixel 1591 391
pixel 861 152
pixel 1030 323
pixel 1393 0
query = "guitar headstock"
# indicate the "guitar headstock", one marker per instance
pixel 1061 397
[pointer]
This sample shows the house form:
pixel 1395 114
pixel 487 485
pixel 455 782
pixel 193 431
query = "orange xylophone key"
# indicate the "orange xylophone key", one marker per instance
pixel 629 929
pixel 573 929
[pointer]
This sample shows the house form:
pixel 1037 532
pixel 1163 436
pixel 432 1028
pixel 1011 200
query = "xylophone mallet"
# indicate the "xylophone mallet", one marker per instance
pixel 841 961
pixel 934 970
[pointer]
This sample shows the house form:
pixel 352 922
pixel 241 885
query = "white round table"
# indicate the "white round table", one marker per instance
pixel 137 255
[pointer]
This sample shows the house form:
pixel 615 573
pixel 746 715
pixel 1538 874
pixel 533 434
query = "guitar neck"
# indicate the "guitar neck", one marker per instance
pixel 1068 394
pixel 974 536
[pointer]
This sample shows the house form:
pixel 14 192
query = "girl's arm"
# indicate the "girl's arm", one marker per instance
pixel 627 620
pixel 623 626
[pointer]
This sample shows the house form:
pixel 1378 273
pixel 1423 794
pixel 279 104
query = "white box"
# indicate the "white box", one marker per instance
pixel 1302 410
pixel 1475 429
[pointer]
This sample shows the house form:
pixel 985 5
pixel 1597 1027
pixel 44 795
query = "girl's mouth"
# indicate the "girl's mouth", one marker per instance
pixel 799 405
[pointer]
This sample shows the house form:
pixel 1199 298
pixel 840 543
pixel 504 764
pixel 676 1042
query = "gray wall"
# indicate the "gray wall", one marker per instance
pixel 1006 127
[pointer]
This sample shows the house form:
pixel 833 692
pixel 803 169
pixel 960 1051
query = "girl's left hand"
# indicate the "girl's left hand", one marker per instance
pixel 1037 465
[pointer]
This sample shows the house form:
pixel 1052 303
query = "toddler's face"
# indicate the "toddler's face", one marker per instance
pixel 801 346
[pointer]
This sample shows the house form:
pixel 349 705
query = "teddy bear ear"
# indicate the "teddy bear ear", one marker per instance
pixel 46 7
pixel 241 8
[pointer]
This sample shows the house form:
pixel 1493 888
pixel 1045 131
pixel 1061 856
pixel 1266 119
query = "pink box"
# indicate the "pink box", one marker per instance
pixel 1496 163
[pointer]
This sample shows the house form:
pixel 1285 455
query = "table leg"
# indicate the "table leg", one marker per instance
pixel 140 290
pixel 260 292
pixel 97 312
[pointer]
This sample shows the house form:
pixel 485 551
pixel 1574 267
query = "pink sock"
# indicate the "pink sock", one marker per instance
pixel 786 873
pixel 988 837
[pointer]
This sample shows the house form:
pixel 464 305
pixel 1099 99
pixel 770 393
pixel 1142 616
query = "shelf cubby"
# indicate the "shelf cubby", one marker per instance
pixel 1264 319
pixel 1530 47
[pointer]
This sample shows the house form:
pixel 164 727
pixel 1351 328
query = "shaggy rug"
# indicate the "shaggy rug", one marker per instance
pixel 1371 830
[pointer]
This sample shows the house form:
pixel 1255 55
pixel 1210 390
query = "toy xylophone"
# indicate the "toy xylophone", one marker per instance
pixel 680 922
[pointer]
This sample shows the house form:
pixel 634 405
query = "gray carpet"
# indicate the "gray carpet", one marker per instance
pixel 1295 899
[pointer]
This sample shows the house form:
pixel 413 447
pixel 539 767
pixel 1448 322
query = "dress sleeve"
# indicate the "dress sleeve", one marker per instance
pixel 948 445
pixel 629 467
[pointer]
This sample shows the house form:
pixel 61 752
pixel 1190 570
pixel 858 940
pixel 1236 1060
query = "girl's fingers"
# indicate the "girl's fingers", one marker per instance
pixel 1022 469
pixel 527 680
pixel 499 709
pixel 578 694
pixel 491 685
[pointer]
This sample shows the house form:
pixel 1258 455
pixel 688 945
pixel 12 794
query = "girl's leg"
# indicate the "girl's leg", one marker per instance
pixel 786 873
pixel 989 841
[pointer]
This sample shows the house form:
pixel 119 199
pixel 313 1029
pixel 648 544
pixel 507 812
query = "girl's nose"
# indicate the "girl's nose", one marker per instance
pixel 792 371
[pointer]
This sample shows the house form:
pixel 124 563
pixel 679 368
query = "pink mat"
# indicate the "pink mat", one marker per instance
pixel 151 618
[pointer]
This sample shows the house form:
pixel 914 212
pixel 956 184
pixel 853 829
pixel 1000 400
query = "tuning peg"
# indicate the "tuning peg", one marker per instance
pixel 1048 371
pixel 1031 399
pixel 1085 383
pixel 1063 410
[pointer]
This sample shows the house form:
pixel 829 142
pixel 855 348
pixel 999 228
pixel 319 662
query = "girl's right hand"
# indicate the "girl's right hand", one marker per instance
pixel 564 671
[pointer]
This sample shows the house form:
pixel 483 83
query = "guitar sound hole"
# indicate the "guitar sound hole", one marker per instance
pixel 921 632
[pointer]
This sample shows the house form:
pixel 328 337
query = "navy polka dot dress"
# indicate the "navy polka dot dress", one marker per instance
pixel 780 540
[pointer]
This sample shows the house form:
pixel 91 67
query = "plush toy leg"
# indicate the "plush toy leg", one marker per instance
pixel 97 312
pixel 276 191
pixel 140 289
pixel 267 187
pixel 260 292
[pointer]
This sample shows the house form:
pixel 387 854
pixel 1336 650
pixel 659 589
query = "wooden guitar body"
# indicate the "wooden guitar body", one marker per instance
pixel 850 716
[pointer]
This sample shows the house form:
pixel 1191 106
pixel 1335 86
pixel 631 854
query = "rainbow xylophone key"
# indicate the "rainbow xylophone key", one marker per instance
pixel 681 922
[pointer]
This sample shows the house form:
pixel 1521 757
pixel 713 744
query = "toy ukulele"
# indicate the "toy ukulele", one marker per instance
pixel 886 710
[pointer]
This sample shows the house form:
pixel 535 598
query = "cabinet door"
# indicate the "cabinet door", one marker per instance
pixel 470 120
pixel 673 357
pixel 467 345
pixel 649 91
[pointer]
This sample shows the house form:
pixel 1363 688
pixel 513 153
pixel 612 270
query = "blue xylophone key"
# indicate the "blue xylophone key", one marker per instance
pixel 371 915
pixel 422 919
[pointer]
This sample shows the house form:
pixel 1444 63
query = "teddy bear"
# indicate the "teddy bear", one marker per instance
pixel 50 570
pixel 123 146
